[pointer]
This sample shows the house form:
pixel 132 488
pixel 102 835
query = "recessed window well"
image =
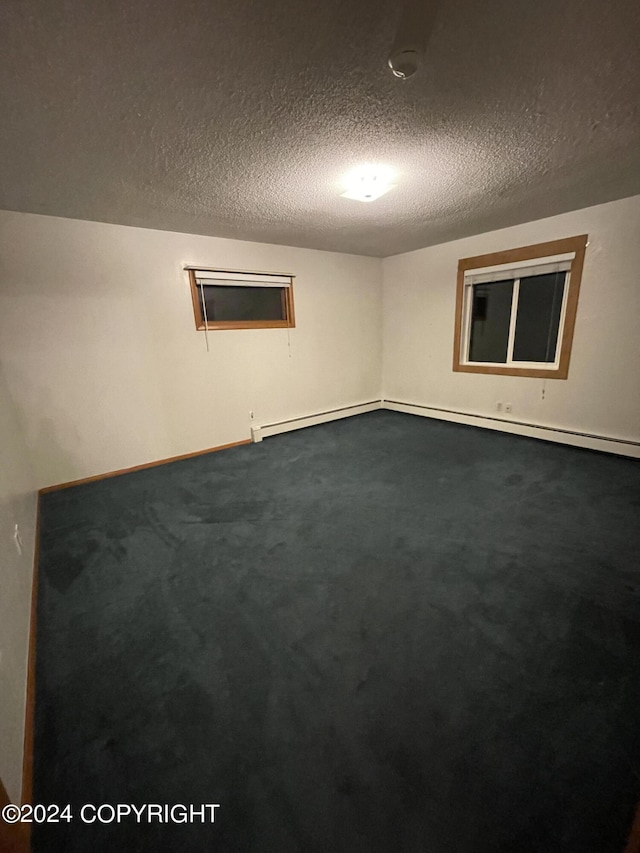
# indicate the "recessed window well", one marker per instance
pixel 516 310
pixel 225 299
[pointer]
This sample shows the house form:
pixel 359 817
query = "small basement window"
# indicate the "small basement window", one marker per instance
pixel 224 299
pixel 516 310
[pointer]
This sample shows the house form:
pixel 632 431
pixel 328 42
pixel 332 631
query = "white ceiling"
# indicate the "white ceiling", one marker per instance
pixel 239 119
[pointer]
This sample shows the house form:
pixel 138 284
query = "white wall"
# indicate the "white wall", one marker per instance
pixel 103 368
pixel 102 358
pixel 17 506
pixel 602 393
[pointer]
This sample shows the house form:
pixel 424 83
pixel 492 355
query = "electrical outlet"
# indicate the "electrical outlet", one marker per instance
pixel 498 406
pixel 507 407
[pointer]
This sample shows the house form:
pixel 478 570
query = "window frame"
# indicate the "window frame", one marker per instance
pixel 512 258
pixel 212 325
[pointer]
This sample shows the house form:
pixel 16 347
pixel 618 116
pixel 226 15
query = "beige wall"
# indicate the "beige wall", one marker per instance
pixel 602 393
pixel 105 365
pixel 17 506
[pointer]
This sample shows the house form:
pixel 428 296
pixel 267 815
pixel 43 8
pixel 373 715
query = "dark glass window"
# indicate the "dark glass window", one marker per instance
pixel 490 317
pixel 226 303
pixel 521 324
pixel 538 319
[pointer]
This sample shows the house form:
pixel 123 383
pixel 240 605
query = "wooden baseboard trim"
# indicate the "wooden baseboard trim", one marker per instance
pixel 14 837
pixel 142 467
pixel 29 725
pixel 29 721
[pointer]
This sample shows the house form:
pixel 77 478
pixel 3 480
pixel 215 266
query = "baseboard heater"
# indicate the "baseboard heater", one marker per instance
pixel 608 444
pixel 265 430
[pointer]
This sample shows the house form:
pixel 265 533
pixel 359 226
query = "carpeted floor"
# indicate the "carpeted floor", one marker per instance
pixel 386 634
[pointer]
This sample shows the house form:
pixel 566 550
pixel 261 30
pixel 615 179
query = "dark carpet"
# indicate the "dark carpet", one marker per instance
pixel 382 634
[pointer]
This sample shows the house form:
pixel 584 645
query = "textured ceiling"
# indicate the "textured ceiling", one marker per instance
pixel 239 119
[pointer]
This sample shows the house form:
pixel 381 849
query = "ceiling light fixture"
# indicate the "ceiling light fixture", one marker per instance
pixel 367 183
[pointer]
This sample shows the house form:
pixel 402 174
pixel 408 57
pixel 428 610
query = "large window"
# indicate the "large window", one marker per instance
pixel 241 300
pixel 516 310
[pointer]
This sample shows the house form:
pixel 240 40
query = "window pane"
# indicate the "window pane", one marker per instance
pixel 490 317
pixel 243 303
pixel 539 307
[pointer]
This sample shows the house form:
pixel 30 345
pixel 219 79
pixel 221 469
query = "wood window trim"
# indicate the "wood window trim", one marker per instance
pixel 212 325
pixel 515 256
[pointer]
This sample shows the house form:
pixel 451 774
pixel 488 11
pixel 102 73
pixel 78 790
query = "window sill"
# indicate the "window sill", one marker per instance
pixel 504 370
pixel 246 324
